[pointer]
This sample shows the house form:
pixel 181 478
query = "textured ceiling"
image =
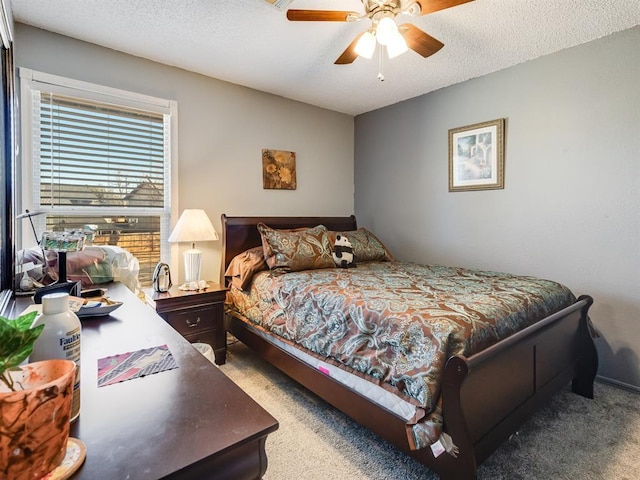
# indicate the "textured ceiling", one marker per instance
pixel 251 43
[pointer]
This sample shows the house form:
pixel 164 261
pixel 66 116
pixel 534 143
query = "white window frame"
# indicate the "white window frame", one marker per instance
pixel 31 80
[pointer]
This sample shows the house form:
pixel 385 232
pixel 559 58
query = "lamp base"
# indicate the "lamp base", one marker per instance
pixel 192 259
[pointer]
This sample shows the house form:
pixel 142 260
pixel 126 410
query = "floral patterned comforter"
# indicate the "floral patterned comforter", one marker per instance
pixel 397 323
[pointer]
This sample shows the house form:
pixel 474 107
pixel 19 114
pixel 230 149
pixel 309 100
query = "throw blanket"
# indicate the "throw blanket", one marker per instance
pixel 397 323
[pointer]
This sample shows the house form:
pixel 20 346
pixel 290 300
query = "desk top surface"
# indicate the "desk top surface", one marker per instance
pixel 154 426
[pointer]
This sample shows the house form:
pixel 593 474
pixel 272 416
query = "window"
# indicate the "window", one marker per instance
pixel 6 159
pixel 100 162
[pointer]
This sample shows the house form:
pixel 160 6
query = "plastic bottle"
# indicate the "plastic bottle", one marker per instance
pixel 60 338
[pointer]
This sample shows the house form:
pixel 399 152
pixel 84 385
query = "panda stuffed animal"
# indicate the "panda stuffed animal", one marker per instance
pixel 343 252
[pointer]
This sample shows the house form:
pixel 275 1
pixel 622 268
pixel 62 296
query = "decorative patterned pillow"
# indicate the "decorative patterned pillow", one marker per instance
pixel 366 246
pixel 294 250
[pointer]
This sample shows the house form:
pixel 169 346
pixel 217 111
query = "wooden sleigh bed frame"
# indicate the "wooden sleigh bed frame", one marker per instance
pixel 486 396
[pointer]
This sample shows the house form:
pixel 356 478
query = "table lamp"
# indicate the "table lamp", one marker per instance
pixel 193 226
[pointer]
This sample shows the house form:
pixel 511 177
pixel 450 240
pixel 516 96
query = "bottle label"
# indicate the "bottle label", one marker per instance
pixel 60 338
pixel 70 345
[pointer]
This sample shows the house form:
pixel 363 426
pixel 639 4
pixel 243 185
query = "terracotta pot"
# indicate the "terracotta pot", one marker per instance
pixel 34 421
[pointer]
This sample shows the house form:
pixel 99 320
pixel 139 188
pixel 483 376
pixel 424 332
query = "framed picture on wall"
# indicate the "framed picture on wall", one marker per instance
pixel 476 156
pixel 278 169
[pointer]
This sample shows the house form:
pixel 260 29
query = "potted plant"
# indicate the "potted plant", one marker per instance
pixel 35 403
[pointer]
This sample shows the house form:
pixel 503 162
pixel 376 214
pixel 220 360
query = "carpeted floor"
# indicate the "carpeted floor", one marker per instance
pixel 573 438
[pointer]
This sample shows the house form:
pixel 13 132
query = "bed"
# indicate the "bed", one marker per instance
pixel 480 396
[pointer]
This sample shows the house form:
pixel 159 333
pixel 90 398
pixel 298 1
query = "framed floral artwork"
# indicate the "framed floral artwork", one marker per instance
pixel 476 156
pixel 278 169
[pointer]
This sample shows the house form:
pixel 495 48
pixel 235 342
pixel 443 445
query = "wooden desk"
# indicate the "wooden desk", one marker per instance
pixel 188 423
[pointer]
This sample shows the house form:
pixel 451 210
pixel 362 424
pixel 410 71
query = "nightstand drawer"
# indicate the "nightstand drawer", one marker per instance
pixel 194 320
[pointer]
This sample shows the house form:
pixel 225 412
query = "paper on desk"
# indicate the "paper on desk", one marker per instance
pixel 32 308
pixel 130 365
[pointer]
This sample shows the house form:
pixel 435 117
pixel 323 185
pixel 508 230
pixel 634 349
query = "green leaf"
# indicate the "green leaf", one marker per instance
pixel 17 339
pixel 24 322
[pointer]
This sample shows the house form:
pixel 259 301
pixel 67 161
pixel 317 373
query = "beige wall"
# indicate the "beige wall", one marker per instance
pixel 569 209
pixel 222 129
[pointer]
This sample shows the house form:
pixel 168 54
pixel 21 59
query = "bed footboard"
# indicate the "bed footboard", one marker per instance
pixel 487 396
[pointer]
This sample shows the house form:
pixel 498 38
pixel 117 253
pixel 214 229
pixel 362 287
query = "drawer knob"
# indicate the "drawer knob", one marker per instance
pixel 193 323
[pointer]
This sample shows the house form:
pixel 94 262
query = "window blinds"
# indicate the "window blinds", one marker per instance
pixel 99 155
pixel 104 167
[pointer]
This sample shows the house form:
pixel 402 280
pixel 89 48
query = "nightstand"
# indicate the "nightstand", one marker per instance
pixel 198 315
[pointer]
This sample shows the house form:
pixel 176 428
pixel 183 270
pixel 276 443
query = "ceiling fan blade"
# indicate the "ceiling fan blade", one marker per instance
pixel 419 41
pixel 319 15
pixel 430 6
pixel 349 55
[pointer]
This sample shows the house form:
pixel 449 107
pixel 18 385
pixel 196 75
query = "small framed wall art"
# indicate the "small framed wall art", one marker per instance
pixel 476 156
pixel 278 169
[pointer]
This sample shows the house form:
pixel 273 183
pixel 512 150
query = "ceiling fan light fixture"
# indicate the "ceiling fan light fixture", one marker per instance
pixel 366 45
pixel 386 30
pixel 397 46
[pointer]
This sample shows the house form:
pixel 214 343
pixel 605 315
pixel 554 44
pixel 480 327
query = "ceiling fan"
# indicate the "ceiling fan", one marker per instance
pixel 384 31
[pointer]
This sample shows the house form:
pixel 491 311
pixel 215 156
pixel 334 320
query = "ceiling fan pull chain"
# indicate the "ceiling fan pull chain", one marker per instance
pixel 380 62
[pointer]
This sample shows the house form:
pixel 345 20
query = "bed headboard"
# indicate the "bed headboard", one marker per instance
pixel 241 233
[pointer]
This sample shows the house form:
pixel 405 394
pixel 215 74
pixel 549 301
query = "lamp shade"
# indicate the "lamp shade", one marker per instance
pixel 385 30
pixel 397 45
pixel 193 226
pixel 366 45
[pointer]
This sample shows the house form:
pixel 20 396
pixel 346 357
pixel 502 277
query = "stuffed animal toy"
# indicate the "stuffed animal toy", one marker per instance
pixel 343 252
